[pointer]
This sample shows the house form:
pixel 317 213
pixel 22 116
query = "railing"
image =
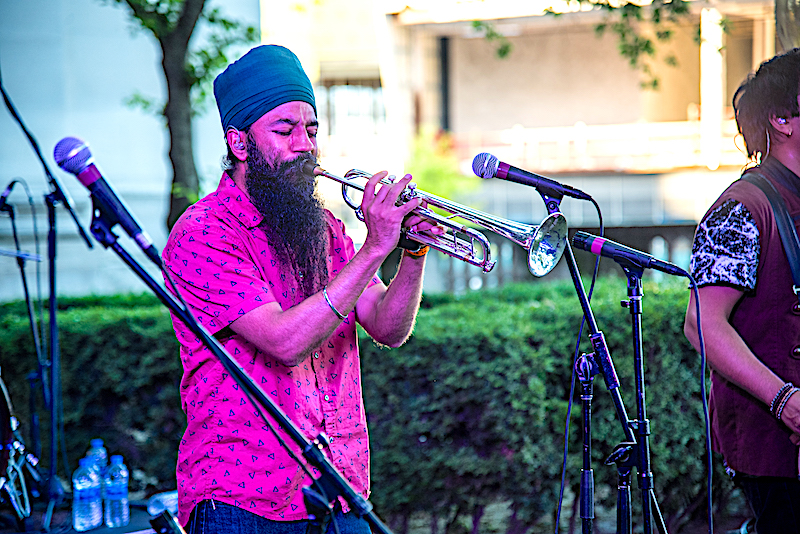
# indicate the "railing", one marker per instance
pixel 637 147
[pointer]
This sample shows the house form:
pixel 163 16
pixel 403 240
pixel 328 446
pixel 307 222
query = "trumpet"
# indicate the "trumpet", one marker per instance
pixel 545 243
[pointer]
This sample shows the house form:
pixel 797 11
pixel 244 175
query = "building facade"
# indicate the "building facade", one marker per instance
pixel 563 103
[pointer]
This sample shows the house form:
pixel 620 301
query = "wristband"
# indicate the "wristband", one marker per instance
pixel 418 253
pixel 773 406
pixel 408 244
pixel 328 300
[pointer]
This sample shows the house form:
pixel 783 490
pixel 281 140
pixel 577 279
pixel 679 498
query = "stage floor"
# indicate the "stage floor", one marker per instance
pixel 62 522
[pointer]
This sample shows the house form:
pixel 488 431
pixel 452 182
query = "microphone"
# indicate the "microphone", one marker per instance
pixel 4 205
pixel 622 254
pixel 488 166
pixel 74 156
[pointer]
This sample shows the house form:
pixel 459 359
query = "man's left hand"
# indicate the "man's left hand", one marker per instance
pixel 418 224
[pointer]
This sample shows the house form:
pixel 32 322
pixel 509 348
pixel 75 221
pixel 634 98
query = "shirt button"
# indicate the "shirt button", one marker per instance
pixel 316 354
pixel 796 308
pixel 328 398
pixel 796 352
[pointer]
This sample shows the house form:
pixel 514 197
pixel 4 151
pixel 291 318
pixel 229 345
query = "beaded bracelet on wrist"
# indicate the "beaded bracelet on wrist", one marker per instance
pixel 779 395
pixel 784 401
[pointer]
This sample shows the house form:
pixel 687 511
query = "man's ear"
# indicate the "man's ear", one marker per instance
pixel 782 125
pixel 236 141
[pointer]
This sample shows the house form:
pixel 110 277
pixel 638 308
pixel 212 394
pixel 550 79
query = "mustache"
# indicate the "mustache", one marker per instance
pixel 266 175
pixel 297 166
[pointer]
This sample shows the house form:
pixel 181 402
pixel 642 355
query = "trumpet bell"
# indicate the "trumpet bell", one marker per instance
pixel 547 247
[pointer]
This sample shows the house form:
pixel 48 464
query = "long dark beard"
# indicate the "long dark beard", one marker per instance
pixel 294 218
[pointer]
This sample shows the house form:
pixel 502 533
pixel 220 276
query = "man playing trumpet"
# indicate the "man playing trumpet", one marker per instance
pixel 275 278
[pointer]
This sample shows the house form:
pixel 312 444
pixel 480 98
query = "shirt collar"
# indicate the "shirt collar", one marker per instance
pixel 782 175
pixel 237 202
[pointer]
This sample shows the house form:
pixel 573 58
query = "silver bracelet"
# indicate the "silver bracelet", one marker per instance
pixel 328 300
pixel 784 401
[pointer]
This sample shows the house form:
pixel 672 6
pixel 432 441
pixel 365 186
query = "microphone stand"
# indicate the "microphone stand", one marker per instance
pixel 330 484
pixel 628 454
pixel 57 195
pixel 642 424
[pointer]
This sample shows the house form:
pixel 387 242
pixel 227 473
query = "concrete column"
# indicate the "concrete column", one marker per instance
pixel 763 37
pixel 394 64
pixel 712 87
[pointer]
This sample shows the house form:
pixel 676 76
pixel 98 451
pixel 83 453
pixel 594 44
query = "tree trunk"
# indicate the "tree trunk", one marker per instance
pixel 448 528
pixel 178 112
pixel 573 517
pixel 514 525
pixel 787 23
pixel 477 514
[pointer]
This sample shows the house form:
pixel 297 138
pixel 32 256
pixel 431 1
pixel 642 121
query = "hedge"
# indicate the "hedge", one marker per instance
pixel 469 412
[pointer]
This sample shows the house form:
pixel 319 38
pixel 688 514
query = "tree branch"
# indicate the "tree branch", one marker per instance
pixel 156 22
pixel 190 14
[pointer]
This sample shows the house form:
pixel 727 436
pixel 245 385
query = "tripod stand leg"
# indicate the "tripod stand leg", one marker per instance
pixel 48 516
pixel 658 517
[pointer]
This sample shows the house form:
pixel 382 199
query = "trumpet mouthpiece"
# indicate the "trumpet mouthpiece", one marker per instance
pixel 309 167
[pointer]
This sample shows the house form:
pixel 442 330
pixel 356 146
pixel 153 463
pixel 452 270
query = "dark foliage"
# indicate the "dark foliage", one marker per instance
pixel 470 412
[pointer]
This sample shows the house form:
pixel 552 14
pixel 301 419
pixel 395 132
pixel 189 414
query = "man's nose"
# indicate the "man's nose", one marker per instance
pixel 302 141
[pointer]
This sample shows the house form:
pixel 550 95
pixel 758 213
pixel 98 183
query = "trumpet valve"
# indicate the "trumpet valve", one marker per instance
pixel 409 193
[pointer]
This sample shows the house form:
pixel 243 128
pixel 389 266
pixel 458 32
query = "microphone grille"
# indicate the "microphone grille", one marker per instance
pixel 72 155
pixel 485 165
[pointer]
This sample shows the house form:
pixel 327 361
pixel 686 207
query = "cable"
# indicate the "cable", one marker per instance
pixel 707 421
pixel 40 345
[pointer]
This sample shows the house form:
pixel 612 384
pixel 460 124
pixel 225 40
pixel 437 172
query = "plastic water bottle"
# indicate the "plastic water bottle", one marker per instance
pixel 117 512
pixel 87 506
pixel 98 457
pixel 98 454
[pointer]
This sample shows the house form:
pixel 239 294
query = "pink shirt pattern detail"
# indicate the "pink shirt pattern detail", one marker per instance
pixel 222 264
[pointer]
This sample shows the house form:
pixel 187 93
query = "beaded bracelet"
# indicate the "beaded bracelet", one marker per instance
pixel 785 400
pixel 781 392
pixel 418 253
pixel 328 300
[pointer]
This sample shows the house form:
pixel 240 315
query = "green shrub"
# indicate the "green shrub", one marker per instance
pixel 472 409
pixel 468 413
pixel 119 377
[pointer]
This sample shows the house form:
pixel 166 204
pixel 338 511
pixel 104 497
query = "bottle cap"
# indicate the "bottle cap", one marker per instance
pixel 96 443
pixel 116 459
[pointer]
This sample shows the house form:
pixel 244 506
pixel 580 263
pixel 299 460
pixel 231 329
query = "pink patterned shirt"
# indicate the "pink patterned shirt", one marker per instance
pixel 224 268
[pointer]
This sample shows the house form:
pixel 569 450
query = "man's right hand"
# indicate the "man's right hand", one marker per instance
pixel 791 417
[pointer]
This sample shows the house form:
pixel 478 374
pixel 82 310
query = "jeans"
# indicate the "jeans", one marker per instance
pixel 775 503
pixel 220 518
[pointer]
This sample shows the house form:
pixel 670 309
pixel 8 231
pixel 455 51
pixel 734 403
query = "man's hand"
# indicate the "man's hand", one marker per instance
pixel 791 416
pixel 384 218
pixel 418 223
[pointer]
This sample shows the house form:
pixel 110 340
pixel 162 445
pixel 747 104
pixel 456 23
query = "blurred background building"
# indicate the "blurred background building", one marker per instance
pixel 391 77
